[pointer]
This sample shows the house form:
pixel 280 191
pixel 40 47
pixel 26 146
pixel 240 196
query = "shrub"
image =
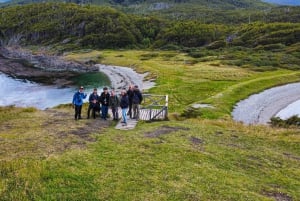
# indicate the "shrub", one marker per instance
pixel 292 121
pixel 273 47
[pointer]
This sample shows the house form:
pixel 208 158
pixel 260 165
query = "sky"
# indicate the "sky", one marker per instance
pixel 285 2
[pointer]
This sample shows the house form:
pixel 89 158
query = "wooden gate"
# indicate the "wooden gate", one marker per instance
pixel 154 107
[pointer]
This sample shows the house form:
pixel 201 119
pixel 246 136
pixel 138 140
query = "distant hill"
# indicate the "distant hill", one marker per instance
pixel 284 2
pixel 206 11
pixel 72 26
pixel 158 4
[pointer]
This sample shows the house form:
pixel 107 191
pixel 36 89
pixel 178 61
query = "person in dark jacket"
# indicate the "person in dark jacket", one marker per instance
pixel 136 101
pixel 104 98
pixel 78 101
pixel 130 96
pixel 114 103
pixel 94 104
pixel 124 103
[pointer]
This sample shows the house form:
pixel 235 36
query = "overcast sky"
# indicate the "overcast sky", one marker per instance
pixel 284 2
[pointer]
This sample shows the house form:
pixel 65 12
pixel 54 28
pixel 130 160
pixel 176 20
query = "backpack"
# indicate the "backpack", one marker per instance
pixel 135 98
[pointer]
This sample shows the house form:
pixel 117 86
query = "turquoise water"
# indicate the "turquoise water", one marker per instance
pixel 24 93
pixel 91 80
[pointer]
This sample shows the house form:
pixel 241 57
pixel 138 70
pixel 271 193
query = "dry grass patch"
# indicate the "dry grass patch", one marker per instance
pixel 44 133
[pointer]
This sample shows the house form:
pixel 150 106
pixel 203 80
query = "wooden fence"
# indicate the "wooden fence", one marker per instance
pixel 154 107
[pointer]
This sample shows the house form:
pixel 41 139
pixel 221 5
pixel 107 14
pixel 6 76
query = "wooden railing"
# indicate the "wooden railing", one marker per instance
pixel 154 107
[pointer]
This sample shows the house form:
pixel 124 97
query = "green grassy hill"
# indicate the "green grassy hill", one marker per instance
pixel 67 27
pixel 103 27
pixel 46 155
pixel 225 4
pixel 210 57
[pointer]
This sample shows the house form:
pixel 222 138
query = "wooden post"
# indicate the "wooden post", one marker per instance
pixel 150 114
pixel 167 103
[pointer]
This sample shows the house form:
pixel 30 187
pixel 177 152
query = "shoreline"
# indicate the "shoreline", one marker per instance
pixel 19 70
pixel 121 77
pixel 45 61
pixel 260 108
pixel 47 65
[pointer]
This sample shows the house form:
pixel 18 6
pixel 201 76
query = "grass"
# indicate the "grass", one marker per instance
pixel 189 160
pixel 46 155
pixel 186 83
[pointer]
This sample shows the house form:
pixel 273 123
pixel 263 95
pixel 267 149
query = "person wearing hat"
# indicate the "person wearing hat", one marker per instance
pixel 136 101
pixel 78 101
pixel 94 104
pixel 104 99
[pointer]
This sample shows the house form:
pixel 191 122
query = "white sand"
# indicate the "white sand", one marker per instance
pixel 260 108
pixel 290 110
pixel 122 77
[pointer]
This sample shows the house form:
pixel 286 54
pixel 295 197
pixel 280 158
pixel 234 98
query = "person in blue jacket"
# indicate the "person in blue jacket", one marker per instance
pixel 78 101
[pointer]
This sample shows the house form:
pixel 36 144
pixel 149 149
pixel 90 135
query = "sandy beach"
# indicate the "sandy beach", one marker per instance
pixel 122 77
pixel 260 108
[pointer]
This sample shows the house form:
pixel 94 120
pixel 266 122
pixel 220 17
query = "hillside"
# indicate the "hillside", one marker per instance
pixel 46 155
pixel 217 11
pixel 155 4
pixel 203 10
pixel 213 57
pixel 66 27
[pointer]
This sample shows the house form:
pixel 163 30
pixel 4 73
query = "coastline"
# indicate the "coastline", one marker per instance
pixel 44 65
pixel 122 77
pixel 260 108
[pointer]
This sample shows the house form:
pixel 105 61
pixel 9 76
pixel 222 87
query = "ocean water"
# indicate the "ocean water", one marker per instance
pixel 24 93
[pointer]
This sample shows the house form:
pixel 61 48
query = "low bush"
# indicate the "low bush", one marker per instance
pixel 285 123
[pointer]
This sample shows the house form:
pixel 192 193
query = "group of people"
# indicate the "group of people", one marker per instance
pixel 129 101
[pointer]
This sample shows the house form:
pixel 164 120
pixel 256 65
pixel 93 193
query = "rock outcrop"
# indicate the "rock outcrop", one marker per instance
pixel 45 61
